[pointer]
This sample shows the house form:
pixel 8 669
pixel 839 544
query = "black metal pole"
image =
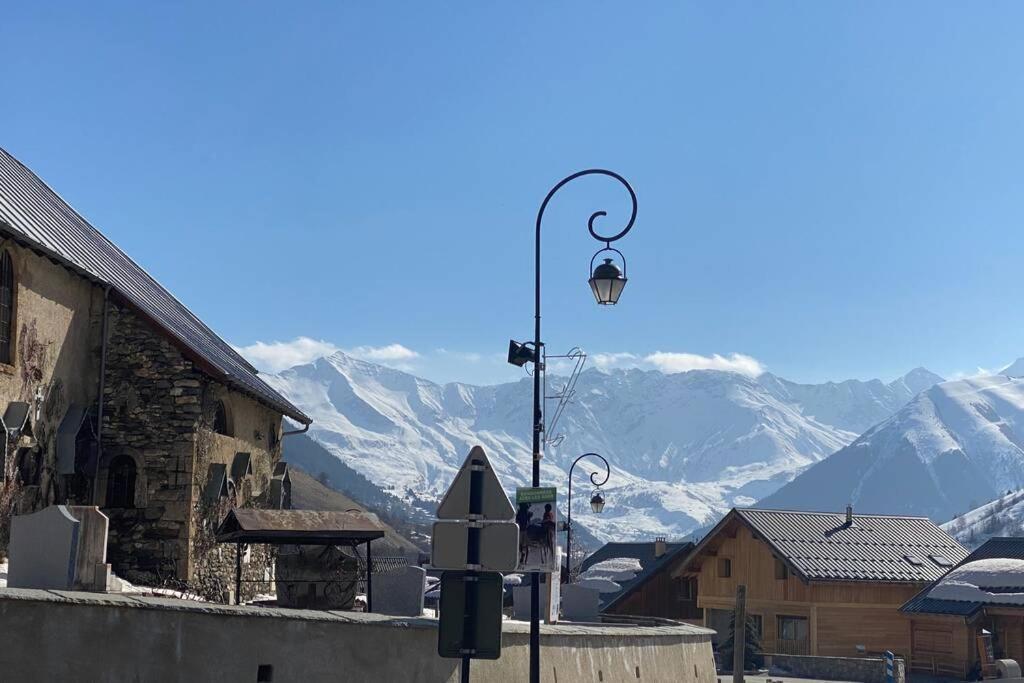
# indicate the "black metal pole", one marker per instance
pixel 471 577
pixel 369 577
pixel 568 522
pixel 538 367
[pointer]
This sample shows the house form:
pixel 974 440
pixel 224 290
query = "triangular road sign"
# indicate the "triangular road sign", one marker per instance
pixel 494 505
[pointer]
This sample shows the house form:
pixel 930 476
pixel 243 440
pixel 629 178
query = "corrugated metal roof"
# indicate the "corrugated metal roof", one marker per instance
pixel 997 547
pixel 822 546
pixel 644 553
pixel 32 213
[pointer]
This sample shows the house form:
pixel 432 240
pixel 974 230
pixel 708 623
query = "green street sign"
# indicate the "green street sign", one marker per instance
pixel 536 494
pixel 470 619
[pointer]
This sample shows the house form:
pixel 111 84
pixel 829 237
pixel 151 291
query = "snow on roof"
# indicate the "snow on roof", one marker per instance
pixel 984 581
pixel 614 569
pixel 601 585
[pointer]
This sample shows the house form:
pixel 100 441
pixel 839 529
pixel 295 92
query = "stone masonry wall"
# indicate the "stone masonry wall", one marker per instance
pixel 159 411
pixel 866 669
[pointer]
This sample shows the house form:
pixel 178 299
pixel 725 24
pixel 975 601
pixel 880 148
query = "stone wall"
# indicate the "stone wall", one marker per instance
pixel 865 669
pixel 64 636
pixel 159 410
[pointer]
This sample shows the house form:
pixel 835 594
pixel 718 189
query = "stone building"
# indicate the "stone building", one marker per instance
pixel 113 393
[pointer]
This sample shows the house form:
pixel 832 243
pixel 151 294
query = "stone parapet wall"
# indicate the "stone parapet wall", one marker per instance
pixel 101 638
pixel 865 669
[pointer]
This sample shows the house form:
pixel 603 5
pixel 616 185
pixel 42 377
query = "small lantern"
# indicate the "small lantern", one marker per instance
pixel 597 502
pixel 607 281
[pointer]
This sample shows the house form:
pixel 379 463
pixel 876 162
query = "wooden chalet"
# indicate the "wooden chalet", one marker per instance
pixel 973 616
pixel 819 583
pixel 655 591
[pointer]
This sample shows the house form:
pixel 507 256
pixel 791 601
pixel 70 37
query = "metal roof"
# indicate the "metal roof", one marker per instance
pixel 644 553
pixel 821 546
pixel 33 214
pixel 300 527
pixel 997 547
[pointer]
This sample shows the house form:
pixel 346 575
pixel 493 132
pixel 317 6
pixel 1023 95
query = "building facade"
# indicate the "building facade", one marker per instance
pixel 819 583
pixel 113 393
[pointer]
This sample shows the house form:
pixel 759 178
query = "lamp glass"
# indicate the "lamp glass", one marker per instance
pixel 597 503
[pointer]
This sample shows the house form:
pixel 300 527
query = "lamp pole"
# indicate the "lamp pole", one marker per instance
pixel 568 519
pixel 614 288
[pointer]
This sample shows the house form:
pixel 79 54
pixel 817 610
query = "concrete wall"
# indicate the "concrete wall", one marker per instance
pixel 51 635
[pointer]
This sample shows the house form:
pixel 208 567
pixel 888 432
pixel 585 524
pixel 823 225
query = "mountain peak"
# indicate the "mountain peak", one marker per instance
pixel 1014 369
pixel 919 379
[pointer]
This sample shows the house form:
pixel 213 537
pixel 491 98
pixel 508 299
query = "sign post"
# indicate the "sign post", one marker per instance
pixel 476 547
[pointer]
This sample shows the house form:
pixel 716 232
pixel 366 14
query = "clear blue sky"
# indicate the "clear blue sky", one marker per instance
pixel 834 189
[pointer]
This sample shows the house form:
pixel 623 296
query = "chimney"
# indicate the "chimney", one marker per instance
pixel 849 514
pixel 659 546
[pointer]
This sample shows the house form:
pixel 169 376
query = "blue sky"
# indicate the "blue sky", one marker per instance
pixel 831 190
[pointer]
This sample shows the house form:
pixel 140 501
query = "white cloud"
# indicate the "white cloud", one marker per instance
pixel 609 361
pixel 681 362
pixel 383 354
pixel 277 356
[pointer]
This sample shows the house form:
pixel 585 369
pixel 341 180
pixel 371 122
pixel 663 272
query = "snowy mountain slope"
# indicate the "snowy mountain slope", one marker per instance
pixel 852 405
pixel 1003 516
pixel 955 443
pixel 684 447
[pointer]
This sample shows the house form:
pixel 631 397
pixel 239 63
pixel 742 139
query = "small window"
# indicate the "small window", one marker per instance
pixel 724 567
pixel 272 436
pixel 685 589
pixel 914 560
pixel 220 419
pixel 781 570
pixel 6 307
pixel 941 560
pixel 121 482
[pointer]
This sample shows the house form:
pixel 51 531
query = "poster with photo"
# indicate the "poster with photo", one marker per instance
pixel 535 516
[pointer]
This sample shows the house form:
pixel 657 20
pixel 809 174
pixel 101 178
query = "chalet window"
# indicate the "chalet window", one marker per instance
pixel 781 570
pixel 6 307
pixel 724 567
pixel 941 560
pixel 221 425
pixel 121 482
pixel 272 437
pixel 685 589
pixel 793 635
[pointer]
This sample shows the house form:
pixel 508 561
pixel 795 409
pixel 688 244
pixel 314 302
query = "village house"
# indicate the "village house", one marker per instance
pixel 654 591
pixel 973 616
pixel 819 583
pixel 113 393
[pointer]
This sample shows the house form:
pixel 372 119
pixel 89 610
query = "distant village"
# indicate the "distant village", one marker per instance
pixel 151 517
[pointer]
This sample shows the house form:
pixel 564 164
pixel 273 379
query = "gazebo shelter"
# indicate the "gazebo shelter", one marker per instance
pixel 301 527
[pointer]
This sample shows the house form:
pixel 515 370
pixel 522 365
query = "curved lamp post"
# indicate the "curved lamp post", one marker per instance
pixel 606 282
pixel 596 503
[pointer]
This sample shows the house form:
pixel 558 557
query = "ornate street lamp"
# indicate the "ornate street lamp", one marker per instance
pixel 596 503
pixel 606 282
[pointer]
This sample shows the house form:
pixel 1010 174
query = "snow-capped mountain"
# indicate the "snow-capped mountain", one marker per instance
pixel 953 446
pixel 1003 516
pixel 684 447
pixel 852 405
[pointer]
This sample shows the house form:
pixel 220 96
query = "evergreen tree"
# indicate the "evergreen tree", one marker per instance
pixel 752 656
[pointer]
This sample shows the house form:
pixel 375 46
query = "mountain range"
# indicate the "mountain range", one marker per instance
pixel 683 447
pixel 952 447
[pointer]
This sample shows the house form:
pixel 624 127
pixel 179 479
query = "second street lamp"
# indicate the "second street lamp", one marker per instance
pixel 596 503
pixel 606 282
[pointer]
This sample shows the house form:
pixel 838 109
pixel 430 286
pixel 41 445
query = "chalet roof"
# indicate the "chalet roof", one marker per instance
pixel 33 214
pixel 997 547
pixel 821 546
pixel 642 552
